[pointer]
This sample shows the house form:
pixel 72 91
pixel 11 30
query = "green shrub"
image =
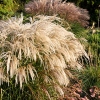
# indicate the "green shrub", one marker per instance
pixel 7 8
pixel 10 8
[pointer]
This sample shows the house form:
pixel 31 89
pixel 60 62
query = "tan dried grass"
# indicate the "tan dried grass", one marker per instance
pixel 55 48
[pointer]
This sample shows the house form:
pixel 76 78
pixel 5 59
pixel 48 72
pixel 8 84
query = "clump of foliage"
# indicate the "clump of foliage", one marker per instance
pixel 94 48
pixel 9 8
pixel 90 77
pixel 68 11
pixel 39 53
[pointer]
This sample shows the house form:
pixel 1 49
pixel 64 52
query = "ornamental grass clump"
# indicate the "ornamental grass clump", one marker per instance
pixel 68 10
pixel 40 44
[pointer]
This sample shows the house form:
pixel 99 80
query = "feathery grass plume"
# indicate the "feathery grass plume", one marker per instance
pixel 68 11
pixel 40 44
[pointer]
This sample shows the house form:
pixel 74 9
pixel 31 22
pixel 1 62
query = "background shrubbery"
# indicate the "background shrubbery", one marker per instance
pixel 10 7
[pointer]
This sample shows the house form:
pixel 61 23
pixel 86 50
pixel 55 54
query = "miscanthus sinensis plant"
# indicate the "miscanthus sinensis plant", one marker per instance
pixel 38 44
pixel 68 11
